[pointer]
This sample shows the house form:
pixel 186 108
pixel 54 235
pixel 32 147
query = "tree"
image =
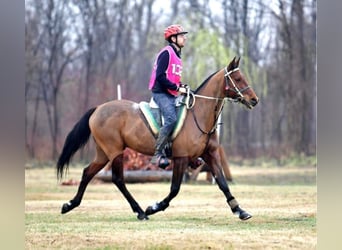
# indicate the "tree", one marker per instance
pixel 78 51
pixel 54 56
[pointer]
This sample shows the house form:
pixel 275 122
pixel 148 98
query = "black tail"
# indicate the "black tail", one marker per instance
pixel 76 139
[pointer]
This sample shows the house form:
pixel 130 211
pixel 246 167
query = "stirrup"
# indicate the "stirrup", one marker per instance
pixel 163 162
pixel 160 160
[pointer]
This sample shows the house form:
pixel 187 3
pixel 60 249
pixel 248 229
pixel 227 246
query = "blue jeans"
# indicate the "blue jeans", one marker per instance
pixel 167 107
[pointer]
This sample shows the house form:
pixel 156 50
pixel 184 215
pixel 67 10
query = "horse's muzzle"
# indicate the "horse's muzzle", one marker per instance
pixel 254 102
pixel 250 105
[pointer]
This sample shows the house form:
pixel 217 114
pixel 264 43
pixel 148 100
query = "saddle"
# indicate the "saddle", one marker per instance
pixel 154 120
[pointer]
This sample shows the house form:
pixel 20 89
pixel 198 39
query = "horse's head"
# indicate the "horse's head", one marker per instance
pixel 237 87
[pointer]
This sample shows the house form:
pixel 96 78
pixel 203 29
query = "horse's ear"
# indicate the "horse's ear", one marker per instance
pixel 237 62
pixel 231 64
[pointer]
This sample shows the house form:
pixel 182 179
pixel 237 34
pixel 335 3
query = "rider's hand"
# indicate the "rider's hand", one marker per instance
pixel 182 90
pixel 183 85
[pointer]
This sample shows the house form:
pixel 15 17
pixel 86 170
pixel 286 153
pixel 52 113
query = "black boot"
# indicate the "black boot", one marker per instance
pixel 159 157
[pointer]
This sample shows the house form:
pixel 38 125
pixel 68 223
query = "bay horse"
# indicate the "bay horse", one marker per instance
pixel 118 124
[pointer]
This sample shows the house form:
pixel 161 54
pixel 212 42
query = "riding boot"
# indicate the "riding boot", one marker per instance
pixel 159 157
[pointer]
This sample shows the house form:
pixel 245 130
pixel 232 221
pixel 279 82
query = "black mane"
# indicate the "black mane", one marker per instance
pixel 205 81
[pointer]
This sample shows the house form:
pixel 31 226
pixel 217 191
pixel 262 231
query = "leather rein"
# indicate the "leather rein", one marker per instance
pixel 219 106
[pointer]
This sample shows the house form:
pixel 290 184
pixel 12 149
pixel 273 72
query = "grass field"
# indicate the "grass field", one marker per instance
pixel 281 200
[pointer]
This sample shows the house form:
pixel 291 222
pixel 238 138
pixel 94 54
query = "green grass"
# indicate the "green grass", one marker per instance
pixel 283 209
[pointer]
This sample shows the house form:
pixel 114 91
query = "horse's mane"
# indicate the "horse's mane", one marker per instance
pixel 204 82
pixel 232 65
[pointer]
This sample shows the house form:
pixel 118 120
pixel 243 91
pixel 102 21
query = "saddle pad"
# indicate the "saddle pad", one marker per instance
pixel 152 120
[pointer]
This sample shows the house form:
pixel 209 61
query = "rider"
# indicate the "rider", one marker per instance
pixel 165 83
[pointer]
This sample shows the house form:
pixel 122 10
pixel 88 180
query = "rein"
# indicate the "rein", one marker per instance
pixel 227 78
pixel 216 118
pixel 191 95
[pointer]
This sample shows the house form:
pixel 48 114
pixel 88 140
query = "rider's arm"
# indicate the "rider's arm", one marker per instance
pixel 162 64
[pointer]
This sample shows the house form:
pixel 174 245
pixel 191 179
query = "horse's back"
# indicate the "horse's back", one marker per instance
pixel 117 124
pixel 112 114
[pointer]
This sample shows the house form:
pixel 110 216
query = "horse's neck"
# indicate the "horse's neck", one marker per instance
pixel 207 110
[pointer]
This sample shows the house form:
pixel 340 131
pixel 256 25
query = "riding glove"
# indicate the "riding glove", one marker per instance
pixel 183 88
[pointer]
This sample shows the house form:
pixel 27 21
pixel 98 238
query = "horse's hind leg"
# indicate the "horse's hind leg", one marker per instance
pixel 88 173
pixel 118 180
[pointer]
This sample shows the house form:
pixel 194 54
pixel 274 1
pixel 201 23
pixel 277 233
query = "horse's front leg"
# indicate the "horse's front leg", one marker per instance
pixel 212 158
pixel 180 164
pixel 118 180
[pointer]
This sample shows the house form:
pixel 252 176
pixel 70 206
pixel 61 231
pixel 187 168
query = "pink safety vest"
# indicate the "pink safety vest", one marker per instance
pixel 173 71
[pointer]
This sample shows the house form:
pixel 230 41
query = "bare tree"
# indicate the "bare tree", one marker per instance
pixel 53 60
pixel 77 51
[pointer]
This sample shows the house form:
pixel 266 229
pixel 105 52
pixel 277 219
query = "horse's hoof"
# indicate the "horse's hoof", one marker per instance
pixel 244 215
pixel 149 210
pixel 65 208
pixel 142 216
pixel 153 209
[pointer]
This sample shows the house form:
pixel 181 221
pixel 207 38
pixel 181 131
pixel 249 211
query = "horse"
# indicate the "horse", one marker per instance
pixel 118 124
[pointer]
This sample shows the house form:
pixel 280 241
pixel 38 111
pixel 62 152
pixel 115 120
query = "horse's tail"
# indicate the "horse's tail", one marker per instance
pixel 76 139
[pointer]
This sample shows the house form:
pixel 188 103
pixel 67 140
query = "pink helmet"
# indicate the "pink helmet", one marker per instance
pixel 174 29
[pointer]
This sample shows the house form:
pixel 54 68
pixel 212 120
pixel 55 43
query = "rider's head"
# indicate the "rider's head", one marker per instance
pixel 175 34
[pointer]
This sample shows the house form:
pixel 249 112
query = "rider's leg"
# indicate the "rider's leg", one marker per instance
pixel 167 107
pixel 159 157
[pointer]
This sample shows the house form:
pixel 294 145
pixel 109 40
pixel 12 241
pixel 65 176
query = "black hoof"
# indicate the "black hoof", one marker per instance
pixel 156 208
pixel 142 216
pixel 67 207
pixel 244 215
pixel 149 210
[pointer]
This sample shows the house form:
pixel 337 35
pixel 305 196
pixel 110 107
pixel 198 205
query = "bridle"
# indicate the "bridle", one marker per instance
pixel 218 107
pixel 227 88
pixel 235 88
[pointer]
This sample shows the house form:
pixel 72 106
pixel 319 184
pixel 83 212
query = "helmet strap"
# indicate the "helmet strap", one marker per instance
pixel 176 43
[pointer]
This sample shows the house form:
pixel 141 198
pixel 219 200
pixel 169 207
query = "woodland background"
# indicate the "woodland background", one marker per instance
pixel 78 51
